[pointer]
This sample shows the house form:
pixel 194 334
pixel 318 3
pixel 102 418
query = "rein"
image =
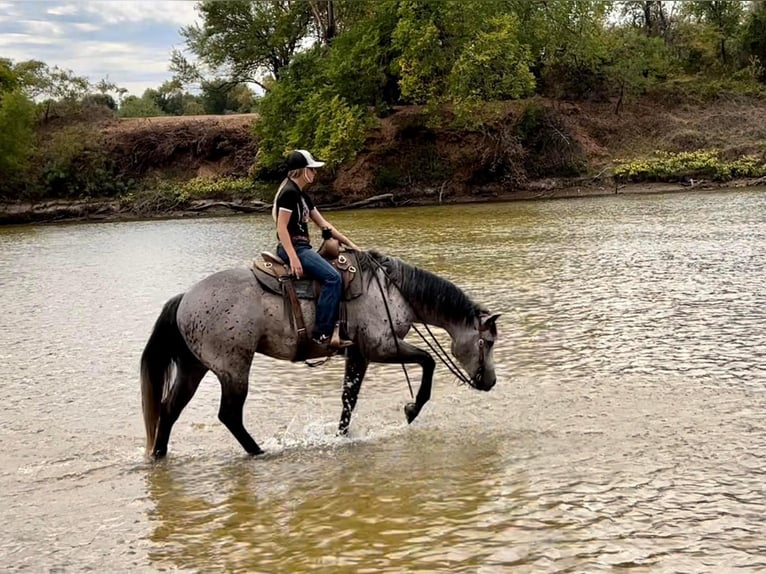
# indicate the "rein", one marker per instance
pixel 441 354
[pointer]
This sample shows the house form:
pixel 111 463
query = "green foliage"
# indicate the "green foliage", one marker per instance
pixel 247 38
pixel 17 114
pixel 359 62
pixel 224 188
pixel 69 162
pixel 493 66
pixel 170 195
pixel 722 19
pixel 636 61
pixel 143 107
pixel 754 41
pixel 668 166
pixel 292 115
pixel 328 125
pixel 424 60
pixel 220 97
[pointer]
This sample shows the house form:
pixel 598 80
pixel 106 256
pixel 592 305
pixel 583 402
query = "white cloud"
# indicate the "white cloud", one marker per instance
pixel 128 41
pixel 178 12
pixel 8 12
pixel 64 10
pixel 86 27
pixel 42 27
pixel 13 41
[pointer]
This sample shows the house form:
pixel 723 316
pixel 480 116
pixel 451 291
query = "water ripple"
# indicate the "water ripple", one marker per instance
pixel 626 430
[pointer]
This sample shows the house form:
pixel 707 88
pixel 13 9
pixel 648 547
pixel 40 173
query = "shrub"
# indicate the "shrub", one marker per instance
pixel 669 166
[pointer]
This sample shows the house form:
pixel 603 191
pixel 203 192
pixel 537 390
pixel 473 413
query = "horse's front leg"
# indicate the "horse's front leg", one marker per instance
pixel 356 367
pixel 411 354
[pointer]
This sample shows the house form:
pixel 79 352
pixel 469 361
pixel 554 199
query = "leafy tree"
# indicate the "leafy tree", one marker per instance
pixel 635 61
pixel 359 64
pixel 425 56
pixel 754 38
pixel 143 107
pixel 245 39
pixel 654 17
pixel 493 66
pixel 222 96
pixel 296 112
pixel 17 114
pixel 723 16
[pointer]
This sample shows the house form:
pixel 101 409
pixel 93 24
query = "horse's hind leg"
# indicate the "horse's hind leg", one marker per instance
pixel 233 395
pixel 189 373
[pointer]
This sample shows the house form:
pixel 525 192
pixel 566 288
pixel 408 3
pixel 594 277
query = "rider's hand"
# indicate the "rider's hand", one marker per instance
pixel 295 265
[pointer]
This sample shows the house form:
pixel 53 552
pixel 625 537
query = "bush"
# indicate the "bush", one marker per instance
pixel 16 140
pixel 667 166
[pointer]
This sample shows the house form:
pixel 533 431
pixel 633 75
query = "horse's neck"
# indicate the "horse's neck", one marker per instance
pixel 433 318
pixel 421 312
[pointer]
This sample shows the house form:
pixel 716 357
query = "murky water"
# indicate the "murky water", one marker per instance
pixel 626 431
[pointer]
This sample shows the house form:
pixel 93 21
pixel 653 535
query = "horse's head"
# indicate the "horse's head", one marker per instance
pixel 472 347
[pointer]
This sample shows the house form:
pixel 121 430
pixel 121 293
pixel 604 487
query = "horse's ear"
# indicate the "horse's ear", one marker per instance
pixel 488 322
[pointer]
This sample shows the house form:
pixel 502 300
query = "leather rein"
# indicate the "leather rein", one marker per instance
pixel 441 354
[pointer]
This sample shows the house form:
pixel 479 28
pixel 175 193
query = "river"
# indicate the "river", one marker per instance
pixel 626 431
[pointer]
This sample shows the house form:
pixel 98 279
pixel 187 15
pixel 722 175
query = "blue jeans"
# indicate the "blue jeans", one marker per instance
pixel 316 267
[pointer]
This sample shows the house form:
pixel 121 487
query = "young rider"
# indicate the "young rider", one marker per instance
pixel 291 211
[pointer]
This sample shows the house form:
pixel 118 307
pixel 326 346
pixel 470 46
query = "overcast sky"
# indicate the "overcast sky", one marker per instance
pixel 127 40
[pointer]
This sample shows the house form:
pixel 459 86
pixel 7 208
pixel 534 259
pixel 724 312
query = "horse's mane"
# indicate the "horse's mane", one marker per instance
pixel 428 290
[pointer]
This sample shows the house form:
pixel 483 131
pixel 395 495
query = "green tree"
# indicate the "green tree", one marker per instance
pixel 493 65
pixel 245 39
pixel 143 107
pixel 651 16
pixel 635 61
pixel 359 64
pixel 724 18
pixel 17 113
pixel 754 38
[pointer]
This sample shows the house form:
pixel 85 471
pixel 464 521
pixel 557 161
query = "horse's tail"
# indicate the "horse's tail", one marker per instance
pixel 163 348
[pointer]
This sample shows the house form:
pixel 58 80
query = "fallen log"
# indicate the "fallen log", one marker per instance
pixel 251 207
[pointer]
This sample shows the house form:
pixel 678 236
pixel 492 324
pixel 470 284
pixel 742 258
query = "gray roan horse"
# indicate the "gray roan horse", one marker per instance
pixel 222 321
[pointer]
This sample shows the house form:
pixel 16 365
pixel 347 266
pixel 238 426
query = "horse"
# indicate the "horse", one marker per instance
pixel 223 320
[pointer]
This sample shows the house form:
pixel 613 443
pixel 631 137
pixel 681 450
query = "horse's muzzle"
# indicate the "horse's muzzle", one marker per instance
pixel 480 384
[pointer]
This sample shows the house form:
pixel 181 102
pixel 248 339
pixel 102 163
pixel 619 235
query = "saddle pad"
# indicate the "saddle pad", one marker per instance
pixel 304 288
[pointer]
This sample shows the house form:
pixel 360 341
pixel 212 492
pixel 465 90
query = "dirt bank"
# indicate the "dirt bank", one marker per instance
pixel 519 150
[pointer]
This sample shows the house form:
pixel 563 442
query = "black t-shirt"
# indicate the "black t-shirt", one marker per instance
pixel 299 205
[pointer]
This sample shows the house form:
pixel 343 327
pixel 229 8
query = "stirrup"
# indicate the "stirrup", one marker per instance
pixel 336 342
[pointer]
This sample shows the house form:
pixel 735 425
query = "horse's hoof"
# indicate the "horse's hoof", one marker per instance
pixel 258 452
pixel 411 411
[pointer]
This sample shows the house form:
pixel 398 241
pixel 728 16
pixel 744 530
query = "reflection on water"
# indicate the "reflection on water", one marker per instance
pixel 369 506
pixel 626 430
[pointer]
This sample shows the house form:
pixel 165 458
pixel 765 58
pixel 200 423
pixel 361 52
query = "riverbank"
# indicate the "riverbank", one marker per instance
pixel 95 210
pixel 667 141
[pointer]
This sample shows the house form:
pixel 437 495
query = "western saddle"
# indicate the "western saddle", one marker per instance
pixel 275 276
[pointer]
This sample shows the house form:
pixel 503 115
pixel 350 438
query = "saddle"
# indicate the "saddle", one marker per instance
pixel 274 275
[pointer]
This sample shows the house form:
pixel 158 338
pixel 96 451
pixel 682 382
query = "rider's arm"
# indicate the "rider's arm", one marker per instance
pixel 317 218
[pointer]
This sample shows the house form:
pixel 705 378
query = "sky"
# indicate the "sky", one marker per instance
pixel 126 41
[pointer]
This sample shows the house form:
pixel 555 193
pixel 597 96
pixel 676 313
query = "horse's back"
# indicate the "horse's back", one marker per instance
pixel 222 315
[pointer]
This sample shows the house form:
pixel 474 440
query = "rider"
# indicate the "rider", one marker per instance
pixel 291 211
